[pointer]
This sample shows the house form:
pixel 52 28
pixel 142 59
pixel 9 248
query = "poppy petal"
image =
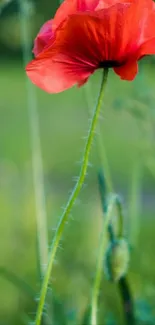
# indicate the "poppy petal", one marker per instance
pixel 138 26
pixel 43 37
pixel 56 74
pixel 92 37
pixel 127 71
pixel 147 48
pixel 67 8
pixel 84 5
pixel 108 3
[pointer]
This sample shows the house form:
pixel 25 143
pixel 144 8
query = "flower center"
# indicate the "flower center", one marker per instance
pixel 109 64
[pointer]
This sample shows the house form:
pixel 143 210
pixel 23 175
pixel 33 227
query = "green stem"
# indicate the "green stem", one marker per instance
pixel 135 204
pixel 104 162
pixel 37 164
pixel 119 207
pixel 99 269
pixel 103 191
pixel 72 199
pixel 100 147
pixel 127 301
pixel 104 201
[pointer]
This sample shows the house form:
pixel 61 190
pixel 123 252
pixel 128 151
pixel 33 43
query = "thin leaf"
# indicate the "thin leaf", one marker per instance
pixel 17 282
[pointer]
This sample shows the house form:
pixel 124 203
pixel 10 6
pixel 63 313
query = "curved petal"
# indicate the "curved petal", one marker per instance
pixel 147 48
pixel 56 74
pixel 92 37
pixel 108 3
pixel 138 26
pixel 86 5
pixel 127 71
pixel 67 8
pixel 45 34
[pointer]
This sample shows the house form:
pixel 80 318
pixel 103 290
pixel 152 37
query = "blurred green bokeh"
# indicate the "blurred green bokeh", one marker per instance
pixel 63 124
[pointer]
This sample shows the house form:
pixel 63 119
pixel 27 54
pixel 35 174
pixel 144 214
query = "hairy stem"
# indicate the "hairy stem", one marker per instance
pixel 37 165
pixel 72 199
pixel 104 162
pixel 99 268
pixel 101 150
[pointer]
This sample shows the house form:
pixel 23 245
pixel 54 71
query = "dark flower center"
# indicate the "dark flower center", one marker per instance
pixel 109 64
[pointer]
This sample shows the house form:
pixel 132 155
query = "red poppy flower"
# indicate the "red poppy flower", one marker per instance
pixel 86 35
pixel 67 8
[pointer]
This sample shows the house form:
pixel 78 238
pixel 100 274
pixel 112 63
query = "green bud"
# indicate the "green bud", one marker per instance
pixel 116 259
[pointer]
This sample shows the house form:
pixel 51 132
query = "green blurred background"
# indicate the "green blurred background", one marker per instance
pixel 127 126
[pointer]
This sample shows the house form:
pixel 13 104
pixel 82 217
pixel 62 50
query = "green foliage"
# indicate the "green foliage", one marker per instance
pixel 17 282
pixel 145 313
pixel 58 311
pixel 62 127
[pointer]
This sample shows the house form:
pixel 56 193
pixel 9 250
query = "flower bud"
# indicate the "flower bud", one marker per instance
pixel 116 259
